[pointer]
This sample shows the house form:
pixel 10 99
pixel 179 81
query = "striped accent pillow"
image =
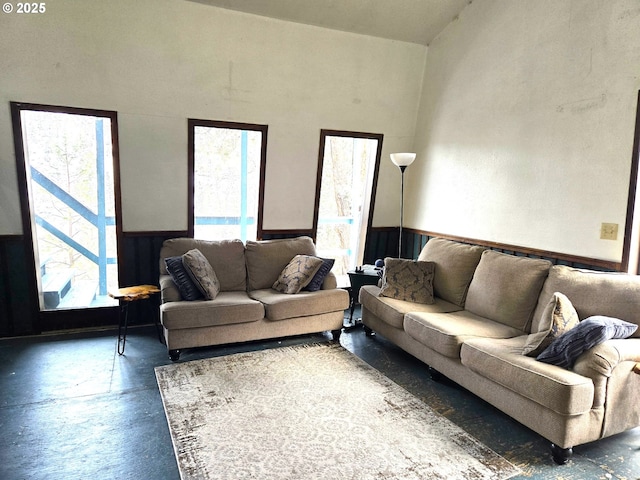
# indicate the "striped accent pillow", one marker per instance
pixel 316 282
pixel 179 275
pixel 592 331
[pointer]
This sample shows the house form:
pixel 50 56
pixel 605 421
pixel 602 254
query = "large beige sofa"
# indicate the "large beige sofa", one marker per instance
pixel 247 308
pixel 486 306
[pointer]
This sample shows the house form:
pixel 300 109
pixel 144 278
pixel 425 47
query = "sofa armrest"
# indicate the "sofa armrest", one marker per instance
pixel 612 358
pixel 604 358
pixel 169 290
pixel 330 282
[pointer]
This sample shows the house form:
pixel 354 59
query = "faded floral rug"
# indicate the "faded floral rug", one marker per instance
pixel 311 412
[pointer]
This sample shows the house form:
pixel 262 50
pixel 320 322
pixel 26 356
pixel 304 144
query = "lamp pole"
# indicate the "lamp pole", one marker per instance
pixel 402 169
pixel 402 161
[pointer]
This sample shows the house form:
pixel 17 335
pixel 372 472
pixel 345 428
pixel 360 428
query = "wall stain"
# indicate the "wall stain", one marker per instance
pixel 584 105
pixel 633 13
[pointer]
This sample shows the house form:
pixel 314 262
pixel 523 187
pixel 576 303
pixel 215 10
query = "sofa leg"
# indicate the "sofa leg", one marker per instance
pixel 174 355
pixel 561 455
pixel 435 375
pixel 367 331
pixel 336 334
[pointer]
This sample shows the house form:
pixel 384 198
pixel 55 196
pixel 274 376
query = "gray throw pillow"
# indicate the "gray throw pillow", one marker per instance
pixel 408 280
pixel 297 274
pixel 202 274
pixel 590 332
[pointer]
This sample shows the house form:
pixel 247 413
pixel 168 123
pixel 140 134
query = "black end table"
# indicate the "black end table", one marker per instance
pixel 367 275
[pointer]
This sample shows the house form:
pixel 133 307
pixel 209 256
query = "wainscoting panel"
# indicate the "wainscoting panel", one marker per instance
pixel 18 314
pixel 383 242
pixel 279 234
pixel 414 240
pixel 140 266
pixel 139 262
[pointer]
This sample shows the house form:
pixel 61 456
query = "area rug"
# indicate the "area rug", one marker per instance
pixel 311 412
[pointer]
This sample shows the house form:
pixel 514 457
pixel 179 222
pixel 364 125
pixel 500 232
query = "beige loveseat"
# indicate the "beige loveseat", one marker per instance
pixel 486 306
pixel 246 308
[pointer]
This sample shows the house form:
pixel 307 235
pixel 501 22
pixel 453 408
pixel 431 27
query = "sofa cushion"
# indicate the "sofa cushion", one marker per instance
pixel 562 391
pixel 445 332
pixel 559 317
pixel 594 293
pixel 392 311
pixel 592 331
pixel 202 274
pixel 227 308
pixel 297 274
pixel 179 275
pixel 226 257
pixel 267 258
pixel 318 279
pixel 505 288
pixel 408 280
pixel 280 306
pixel 455 263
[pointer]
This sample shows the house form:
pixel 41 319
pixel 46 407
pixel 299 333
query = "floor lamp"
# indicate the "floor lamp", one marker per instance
pixel 402 161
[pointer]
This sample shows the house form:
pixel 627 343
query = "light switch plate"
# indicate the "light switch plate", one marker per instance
pixel 609 231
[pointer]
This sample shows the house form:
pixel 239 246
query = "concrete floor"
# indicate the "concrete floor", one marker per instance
pixel 71 408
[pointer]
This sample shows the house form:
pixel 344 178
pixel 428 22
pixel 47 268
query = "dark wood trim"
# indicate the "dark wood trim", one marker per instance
pixel 53 320
pixel 389 229
pixel 40 107
pixel 11 237
pixel 6 295
pixel 316 202
pixel 115 152
pixel 346 133
pixel 374 186
pixel 263 174
pixel 631 201
pixel 191 124
pixel 291 231
pixel 25 211
pixel 157 233
pixel 607 264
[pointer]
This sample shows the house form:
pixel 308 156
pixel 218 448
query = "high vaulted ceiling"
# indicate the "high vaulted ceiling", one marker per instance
pixel 415 21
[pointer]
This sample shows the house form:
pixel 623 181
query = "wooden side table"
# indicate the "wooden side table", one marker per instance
pixel 125 296
pixel 368 275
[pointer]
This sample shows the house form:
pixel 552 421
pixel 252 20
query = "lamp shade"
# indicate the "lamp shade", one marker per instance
pixel 403 159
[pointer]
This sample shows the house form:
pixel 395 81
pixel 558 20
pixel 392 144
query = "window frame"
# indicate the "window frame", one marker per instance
pixel 324 133
pixel 192 124
pixel 76 317
pixel 630 262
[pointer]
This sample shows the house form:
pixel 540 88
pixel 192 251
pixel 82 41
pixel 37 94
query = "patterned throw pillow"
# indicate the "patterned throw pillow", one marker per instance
pixel 408 280
pixel 558 317
pixel 188 290
pixel 316 282
pixel 202 274
pixel 297 274
pixel 592 331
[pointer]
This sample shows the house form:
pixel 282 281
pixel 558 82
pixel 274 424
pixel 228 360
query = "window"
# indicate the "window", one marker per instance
pixel 226 179
pixel 68 168
pixel 347 176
